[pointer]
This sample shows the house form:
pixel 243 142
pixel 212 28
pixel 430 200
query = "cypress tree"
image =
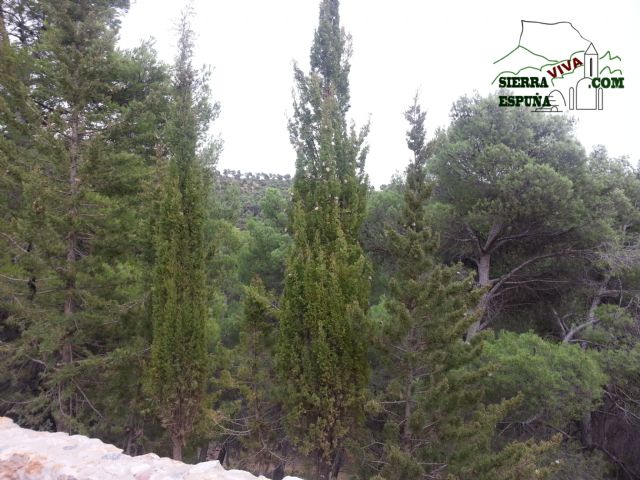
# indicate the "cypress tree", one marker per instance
pixel 321 356
pixel 177 372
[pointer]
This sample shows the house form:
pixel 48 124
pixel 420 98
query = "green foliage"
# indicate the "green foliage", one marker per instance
pixel 251 403
pixel 73 214
pixel 572 461
pixel 614 328
pixel 485 150
pixel 435 421
pixel 559 382
pixel 178 367
pixel 383 210
pixel 268 243
pixel 509 181
pixel 321 355
pixel 623 367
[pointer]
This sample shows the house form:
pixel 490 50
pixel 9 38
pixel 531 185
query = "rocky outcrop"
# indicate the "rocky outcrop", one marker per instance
pixel 29 455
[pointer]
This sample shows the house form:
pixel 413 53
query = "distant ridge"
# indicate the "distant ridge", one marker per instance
pixel 522 22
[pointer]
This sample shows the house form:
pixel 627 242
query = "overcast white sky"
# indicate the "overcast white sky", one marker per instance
pixel 445 49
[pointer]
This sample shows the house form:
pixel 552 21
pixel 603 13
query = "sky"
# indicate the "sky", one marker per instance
pixel 443 50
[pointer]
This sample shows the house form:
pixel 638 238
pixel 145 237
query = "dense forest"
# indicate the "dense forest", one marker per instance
pixel 478 317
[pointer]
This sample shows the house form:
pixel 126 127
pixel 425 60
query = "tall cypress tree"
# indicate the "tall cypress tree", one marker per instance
pixel 178 366
pixel 321 356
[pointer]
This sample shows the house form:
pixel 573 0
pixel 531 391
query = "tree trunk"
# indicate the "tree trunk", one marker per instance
pixel 484 265
pixel 176 444
pixel 591 318
pixel 66 351
pixel 278 472
pixel 406 433
pixel 484 268
pixel 324 470
pixel 337 463
pixel 4 38
pixel 203 453
pixel 222 454
pixel 586 430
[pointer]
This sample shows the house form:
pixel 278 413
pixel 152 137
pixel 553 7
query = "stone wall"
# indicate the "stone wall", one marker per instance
pixel 30 455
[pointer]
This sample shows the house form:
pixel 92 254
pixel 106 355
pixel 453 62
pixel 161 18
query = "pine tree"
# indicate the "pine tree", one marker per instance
pixel 18 118
pixel 436 425
pixel 178 365
pixel 323 333
pixel 526 213
pixel 73 215
pixel 258 413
